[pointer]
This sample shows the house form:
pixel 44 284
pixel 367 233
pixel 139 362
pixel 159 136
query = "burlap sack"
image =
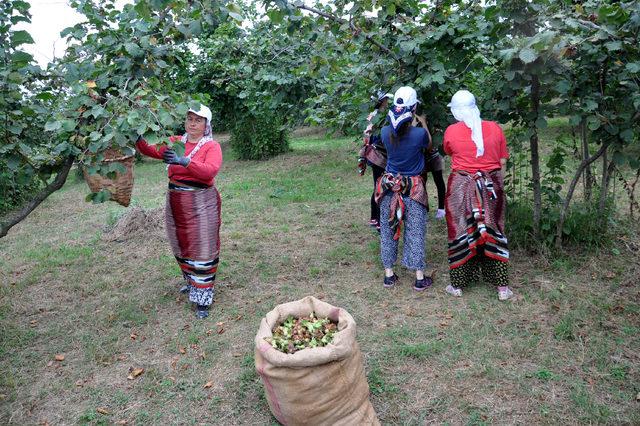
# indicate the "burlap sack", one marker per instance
pixel 317 386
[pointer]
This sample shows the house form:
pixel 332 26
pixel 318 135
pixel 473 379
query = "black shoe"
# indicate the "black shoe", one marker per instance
pixel 391 281
pixel 202 311
pixel 423 284
pixel 185 289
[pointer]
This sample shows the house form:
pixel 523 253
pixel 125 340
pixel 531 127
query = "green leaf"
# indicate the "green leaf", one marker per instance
pixel 133 49
pixel 627 135
pixel 21 58
pixel 633 67
pixel 51 126
pixel 593 122
pixel 613 46
pixel 16 129
pixel 619 158
pixel 563 87
pixel 68 125
pixel 275 15
pixel 45 96
pixel 179 148
pixel 20 37
pixel 541 123
pixel 143 9
pixel 13 162
pixel 528 55
pixel 575 120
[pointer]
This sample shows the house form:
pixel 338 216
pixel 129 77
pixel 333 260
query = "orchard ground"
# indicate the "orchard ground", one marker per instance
pixel 566 350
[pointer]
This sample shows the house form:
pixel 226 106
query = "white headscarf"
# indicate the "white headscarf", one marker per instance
pixel 463 107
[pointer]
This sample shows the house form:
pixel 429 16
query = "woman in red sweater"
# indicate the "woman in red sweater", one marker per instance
pixel 192 211
pixel 475 201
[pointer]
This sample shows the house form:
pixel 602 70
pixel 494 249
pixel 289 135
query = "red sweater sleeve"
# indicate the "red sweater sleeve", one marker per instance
pixel 153 151
pixel 206 168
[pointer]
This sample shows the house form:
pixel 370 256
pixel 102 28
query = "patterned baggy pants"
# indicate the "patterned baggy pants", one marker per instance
pixel 415 228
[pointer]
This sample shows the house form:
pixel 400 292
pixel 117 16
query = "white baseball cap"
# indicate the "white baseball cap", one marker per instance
pixel 462 98
pixel 405 97
pixel 202 112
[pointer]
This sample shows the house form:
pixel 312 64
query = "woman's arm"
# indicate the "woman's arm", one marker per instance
pixel 153 151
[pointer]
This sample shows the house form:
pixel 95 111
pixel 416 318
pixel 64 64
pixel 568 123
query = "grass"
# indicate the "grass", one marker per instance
pixel 565 351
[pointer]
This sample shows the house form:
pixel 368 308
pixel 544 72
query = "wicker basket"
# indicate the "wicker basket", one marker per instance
pixel 121 186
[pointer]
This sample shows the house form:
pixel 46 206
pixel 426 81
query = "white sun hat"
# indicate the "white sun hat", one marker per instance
pixel 405 97
pixel 202 112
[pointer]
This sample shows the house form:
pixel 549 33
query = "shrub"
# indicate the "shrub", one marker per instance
pixel 259 136
pixel 15 192
pixel 583 225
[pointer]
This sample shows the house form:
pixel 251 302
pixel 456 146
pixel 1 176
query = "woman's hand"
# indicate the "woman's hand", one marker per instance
pixel 170 157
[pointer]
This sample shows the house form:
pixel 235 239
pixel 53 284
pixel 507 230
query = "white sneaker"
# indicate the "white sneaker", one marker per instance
pixel 453 291
pixel 504 293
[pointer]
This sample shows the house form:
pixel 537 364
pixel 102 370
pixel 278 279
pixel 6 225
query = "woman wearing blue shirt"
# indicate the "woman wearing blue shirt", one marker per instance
pixel 400 191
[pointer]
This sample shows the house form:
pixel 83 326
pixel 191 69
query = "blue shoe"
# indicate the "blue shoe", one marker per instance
pixel 202 311
pixel 423 284
pixel 390 282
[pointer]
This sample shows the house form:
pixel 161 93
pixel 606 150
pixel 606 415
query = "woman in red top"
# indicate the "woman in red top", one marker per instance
pixel 475 201
pixel 192 211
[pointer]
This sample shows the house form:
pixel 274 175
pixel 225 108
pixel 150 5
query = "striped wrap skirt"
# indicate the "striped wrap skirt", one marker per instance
pixel 192 217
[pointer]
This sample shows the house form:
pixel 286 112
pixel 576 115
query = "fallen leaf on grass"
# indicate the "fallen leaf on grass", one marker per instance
pixel 638 397
pixel 33 323
pixel 59 357
pixel 102 411
pixel 50 363
pixel 79 383
pixel 220 330
pixel 121 357
pixel 220 324
pixel 133 336
pixel 182 350
pixel 239 317
pixel 237 355
pixel 208 385
pixel 134 372
pixel 122 422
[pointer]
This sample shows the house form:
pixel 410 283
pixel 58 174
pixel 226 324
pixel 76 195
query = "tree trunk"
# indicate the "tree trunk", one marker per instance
pixel 535 157
pixel 57 183
pixel 588 178
pixel 607 171
pixel 567 201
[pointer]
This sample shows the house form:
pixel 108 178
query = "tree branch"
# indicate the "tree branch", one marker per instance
pixel 353 27
pixel 60 179
pixel 572 187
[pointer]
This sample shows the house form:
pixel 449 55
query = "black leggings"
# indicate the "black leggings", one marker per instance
pixel 440 186
pixel 375 209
